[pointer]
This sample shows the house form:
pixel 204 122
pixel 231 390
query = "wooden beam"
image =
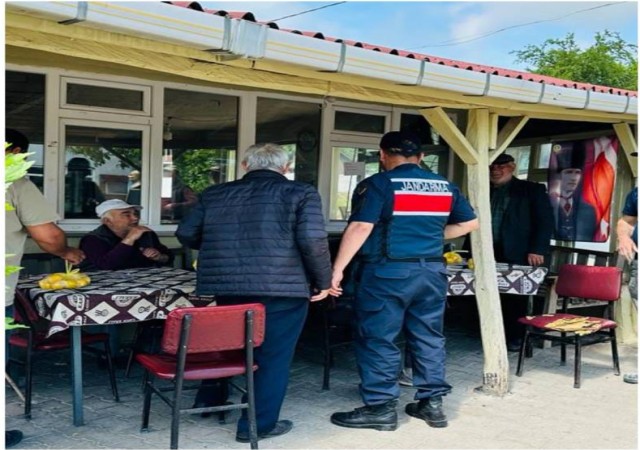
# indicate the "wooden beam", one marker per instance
pixel 493 130
pixel 629 144
pixel 446 128
pixel 496 364
pixel 507 134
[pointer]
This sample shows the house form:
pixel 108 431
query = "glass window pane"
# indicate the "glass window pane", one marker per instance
pixel 543 156
pixel 352 165
pixel 365 123
pixel 200 147
pixel 521 156
pixel 105 97
pixel 296 127
pixel 24 112
pixel 98 162
pixel 436 152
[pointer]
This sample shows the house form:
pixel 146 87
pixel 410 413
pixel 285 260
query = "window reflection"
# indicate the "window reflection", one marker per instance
pixel 98 163
pixel 352 164
pixel 24 112
pixel 296 127
pixel 200 146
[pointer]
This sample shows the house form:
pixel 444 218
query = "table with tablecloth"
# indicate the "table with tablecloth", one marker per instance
pixel 511 278
pixel 113 297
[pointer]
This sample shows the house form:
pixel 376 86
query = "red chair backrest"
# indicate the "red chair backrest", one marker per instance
pixel 590 282
pixel 25 312
pixel 214 328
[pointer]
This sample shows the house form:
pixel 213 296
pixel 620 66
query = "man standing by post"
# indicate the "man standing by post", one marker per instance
pixel 522 224
pixel 31 215
pixel 262 239
pixel 399 222
pixel 627 230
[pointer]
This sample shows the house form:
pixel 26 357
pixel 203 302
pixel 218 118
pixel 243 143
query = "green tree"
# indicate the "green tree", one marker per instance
pixel 610 61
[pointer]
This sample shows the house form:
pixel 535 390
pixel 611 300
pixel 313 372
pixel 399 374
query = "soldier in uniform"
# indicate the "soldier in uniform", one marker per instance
pixel 400 220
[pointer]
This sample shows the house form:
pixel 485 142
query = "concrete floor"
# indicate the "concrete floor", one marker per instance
pixel 542 410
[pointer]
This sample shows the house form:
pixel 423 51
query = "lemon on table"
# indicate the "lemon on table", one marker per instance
pixel 452 258
pixel 69 280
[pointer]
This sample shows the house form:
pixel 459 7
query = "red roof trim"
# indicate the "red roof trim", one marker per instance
pixel 433 59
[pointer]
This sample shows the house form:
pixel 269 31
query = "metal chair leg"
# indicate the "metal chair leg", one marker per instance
pixel 577 363
pixel 133 349
pixel 563 350
pixel 146 405
pixel 614 352
pixel 327 350
pixel 112 372
pixel 29 375
pixel 521 355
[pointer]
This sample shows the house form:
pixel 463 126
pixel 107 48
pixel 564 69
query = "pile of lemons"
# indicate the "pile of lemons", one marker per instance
pixel 455 258
pixel 452 258
pixel 72 279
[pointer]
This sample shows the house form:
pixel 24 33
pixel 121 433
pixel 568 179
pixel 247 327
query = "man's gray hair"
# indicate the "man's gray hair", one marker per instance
pixel 266 156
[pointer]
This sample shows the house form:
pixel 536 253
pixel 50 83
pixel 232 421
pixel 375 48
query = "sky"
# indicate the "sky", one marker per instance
pixel 430 27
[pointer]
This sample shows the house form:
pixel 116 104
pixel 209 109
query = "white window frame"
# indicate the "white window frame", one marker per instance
pixel 89 224
pixel 144 89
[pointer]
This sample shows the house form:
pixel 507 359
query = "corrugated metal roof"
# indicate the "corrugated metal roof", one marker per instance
pixel 429 58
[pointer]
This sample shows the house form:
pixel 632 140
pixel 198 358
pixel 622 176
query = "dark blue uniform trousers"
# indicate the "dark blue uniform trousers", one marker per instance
pixel 390 297
pixel 284 322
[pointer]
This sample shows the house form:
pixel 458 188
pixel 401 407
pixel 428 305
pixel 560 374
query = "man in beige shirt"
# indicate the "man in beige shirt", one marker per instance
pixel 31 215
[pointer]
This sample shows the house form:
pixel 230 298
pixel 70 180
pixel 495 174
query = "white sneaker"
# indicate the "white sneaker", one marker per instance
pixel 631 378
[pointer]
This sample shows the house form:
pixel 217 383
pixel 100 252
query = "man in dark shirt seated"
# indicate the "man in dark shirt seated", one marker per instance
pixel 120 242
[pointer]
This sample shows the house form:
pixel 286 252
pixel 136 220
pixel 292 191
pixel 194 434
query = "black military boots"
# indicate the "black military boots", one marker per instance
pixel 429 410
pixel 382 417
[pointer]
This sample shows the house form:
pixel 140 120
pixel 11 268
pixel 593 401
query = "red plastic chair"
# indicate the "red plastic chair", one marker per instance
pixel 33 339
pixel 578 281
pixel 206 343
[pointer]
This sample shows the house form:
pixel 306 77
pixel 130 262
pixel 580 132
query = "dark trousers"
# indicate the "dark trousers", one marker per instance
pixel 284 322
pixel 389 298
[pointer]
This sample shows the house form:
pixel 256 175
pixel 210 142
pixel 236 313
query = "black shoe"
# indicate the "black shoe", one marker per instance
pixel 213 393
pixel 222 415
pixel 282 427
pixel 429 410
pixel 381 417
pixel 514 345
pixel 12 438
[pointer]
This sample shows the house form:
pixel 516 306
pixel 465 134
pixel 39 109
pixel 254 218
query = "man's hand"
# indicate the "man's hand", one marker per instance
pixel 336 280
pixel 534 259
pixel 321 295
pixel 154 255
pixel 134 234
pixel 73 255
pixel 626 247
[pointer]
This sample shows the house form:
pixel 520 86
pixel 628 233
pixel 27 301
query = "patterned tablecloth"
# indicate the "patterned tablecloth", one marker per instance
pixel 118 296
pixel 512 279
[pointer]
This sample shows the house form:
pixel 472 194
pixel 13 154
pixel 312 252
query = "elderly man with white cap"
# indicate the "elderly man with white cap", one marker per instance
pixel 121 242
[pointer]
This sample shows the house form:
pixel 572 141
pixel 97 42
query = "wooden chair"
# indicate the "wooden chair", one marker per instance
pixel 204 344
pixel 584 282
pixel 331 320
pixel 33 340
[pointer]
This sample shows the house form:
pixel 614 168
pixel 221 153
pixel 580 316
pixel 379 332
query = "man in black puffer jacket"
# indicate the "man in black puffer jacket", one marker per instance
pixel 262 239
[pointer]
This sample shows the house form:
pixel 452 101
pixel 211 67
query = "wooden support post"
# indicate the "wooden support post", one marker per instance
pixel 445 127
pixel 506 135
pixel 496 364
pixel 629 144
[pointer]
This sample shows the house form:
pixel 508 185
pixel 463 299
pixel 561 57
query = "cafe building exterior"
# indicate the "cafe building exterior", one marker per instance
pixel 151 102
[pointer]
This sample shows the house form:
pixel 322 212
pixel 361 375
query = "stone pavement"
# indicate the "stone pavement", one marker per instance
pixel 542 410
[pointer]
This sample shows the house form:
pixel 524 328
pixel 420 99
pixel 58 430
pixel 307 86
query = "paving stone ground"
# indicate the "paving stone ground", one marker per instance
pixel 541 411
